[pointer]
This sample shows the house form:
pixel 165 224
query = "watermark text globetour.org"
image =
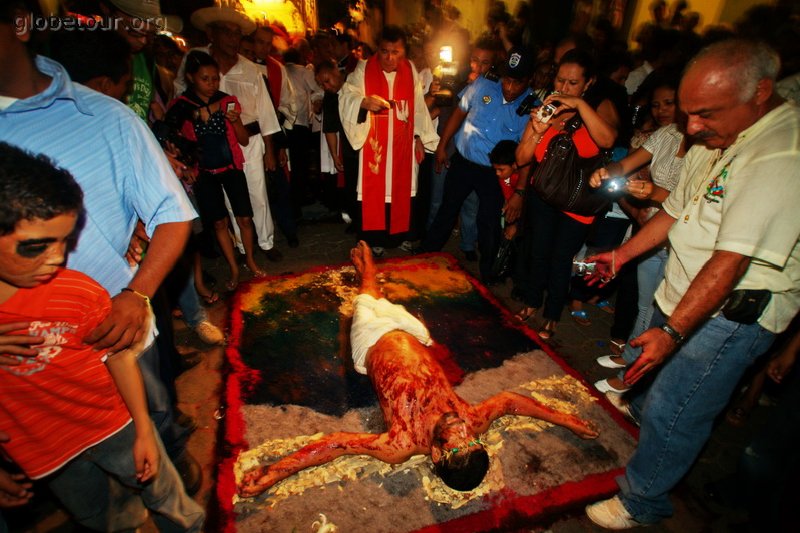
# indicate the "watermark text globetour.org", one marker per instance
pixel 54 23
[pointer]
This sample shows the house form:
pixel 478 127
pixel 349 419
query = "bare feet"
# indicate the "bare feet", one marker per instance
pixel 254 269
pixel 361 256
pixel 582 428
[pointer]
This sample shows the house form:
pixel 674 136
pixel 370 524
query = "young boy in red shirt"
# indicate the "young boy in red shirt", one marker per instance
pixel 66 408
pixel 503 159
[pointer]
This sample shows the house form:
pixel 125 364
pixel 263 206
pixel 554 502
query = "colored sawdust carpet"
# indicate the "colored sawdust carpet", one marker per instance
pixel 292 381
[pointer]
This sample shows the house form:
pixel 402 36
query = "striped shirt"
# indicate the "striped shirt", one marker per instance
pixel 113 156
pixel 62 401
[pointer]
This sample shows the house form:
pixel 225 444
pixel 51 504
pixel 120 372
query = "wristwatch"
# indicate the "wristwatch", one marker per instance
pixel 672 332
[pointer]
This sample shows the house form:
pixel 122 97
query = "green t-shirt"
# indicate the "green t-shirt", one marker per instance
pixel 142 93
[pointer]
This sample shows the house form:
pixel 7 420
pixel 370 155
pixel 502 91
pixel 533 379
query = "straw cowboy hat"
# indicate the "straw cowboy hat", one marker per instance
pixel 148 11
pixel 208 15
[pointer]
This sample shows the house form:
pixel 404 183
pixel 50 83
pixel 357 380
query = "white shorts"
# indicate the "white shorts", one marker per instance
pixel 372 319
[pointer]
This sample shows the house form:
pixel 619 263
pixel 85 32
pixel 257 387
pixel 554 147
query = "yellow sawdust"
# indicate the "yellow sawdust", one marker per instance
pixel 398 285
pixel 362 466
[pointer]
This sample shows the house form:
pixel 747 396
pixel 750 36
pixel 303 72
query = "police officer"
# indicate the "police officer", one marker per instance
pixel 486 114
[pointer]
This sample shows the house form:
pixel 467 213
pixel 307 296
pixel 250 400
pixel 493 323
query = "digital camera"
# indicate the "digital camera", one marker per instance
pixel 615 185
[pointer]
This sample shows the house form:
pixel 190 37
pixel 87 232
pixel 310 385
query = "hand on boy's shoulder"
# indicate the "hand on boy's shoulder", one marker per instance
pixel 14 346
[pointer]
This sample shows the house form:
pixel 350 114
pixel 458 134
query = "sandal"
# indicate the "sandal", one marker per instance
pixel 605 305
pixel 581 317
pixel 548 330
pixel 737 417
pixel 231 284
pixel 209 297
pixel 525 314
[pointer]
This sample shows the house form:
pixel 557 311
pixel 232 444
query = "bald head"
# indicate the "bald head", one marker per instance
pixel 744 62
pixel 726 89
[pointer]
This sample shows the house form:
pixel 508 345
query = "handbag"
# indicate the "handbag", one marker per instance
pixel 562 178
pixel 502 261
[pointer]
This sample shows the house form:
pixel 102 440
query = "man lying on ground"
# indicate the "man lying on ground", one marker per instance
pixel 423 413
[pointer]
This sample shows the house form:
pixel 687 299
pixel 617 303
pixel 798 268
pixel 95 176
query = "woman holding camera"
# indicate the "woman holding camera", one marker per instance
pixel 552 236
pixel 663 150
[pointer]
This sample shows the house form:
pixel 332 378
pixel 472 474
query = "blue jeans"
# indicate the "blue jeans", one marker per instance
pixel 160 404
pixel 649 274
pixel 677 411
pixel 189 303
pixel 100 490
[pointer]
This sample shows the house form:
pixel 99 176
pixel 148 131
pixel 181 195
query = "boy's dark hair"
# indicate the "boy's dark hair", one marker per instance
pixel 503 153
pixel 89 54
pixel 464 471
pixel 32 187
pixel 197 59
pixel 392 34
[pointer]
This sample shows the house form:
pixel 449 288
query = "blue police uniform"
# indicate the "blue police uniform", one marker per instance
pixel 490 119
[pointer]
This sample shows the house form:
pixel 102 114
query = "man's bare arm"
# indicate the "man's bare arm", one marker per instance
pixel 707 292
pixel 320 452
pixel 129 314
pixel 511 403
pixel 652 234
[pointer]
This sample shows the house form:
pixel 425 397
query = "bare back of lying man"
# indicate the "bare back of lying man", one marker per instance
pixel 423 413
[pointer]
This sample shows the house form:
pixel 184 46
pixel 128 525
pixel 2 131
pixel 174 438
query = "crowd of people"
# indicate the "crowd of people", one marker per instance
pixel 669 172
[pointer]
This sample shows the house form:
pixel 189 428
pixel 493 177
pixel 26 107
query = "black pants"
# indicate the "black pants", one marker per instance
pixel 280 203
pixel 544 264
pixel 300 152
pixel 463 177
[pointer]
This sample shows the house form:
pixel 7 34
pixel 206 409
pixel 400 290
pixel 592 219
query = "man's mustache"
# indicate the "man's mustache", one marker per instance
pixel 701 135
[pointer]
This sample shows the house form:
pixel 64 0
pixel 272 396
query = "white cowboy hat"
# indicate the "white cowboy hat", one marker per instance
pixel 208 15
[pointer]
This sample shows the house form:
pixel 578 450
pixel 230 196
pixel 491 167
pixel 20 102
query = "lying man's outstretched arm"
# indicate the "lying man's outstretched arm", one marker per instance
pixel 511 403
pixel 320 452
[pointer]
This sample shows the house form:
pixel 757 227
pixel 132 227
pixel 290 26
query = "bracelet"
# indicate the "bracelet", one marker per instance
pixel 672 332
pixel 137 293
pixel 520 192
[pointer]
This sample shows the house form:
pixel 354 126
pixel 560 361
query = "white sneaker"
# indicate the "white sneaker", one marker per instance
pixel 604 386
pixel 378 251
pixel 209 333
pixel 346 218
pixel 607 361
pixel 611 514
pixel 621 405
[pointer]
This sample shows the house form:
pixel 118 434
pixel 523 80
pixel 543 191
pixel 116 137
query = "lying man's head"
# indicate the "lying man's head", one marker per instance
pixel 458 456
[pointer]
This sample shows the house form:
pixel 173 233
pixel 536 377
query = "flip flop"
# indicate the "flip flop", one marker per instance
pixel 525 314
pixel 231 284
pixel 581 317
pixel 548 331
pixel 209 298
pixel 737 417
pixel 606 306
